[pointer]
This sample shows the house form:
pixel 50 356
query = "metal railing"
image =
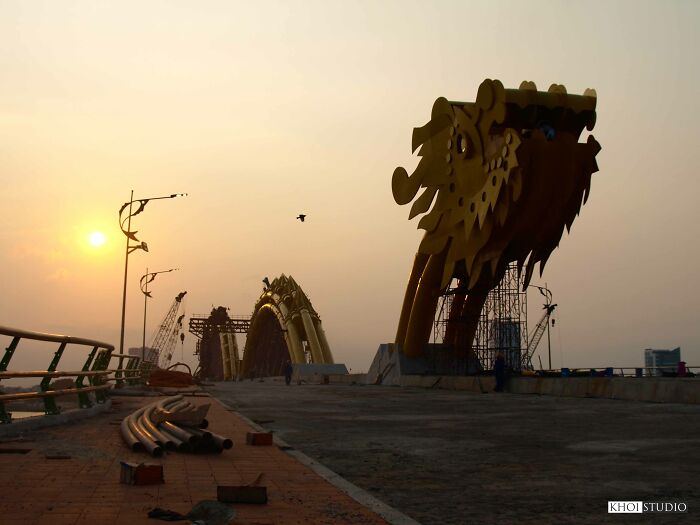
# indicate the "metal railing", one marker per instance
pixel 617 371
pixel 95 370
pixel 131 374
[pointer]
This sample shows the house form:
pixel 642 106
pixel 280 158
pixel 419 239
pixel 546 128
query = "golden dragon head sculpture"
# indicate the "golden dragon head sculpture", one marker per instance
pixel 504 176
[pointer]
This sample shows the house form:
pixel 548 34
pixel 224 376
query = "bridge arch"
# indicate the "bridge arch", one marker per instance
pixel 284 326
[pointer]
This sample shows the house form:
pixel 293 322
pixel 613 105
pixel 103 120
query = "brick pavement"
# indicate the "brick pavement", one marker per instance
pixel 85 488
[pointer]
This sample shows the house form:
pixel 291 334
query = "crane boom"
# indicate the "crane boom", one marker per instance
pixel 166 353
pixel 165 331
pixel 537 336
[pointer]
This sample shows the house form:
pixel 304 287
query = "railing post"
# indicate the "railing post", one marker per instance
pixel 8 354
pixel 119 374
pixel 83 397
pixel 5 416
pixel 50 406
pixel 133 366
pixel 101 363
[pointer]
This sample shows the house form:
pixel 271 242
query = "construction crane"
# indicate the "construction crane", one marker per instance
pixel 165 337
pixel 537 334
pixel 166 353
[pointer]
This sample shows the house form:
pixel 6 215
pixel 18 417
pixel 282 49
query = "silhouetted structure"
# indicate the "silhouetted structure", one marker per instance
pixel 501 178
pixel 284 326
pixel 216 345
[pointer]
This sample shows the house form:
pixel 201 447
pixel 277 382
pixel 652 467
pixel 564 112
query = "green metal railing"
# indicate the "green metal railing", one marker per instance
pixel 131 374
pixel 95 371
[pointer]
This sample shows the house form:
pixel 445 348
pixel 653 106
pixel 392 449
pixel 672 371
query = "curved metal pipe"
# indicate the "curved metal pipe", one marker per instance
pixel 180 405
pixel 222 441
pixel 141 432
pixel 182 446
pixel 172 405
pixel 168 400
pixel 134 444
pixel 173 408
pixel 159 437
pixel 204 434
pixel 144 437
pixel 180 433
pixel 165 405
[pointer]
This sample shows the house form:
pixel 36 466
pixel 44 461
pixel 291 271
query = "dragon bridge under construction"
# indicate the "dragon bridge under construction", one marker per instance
pixel 284 326
pixel 502 177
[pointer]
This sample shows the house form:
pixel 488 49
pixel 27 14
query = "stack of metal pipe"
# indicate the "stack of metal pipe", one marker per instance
pixel 171 424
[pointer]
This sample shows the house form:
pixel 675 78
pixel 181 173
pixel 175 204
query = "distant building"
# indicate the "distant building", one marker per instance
pixel 659 361
pixel 151 354
pixel 504 337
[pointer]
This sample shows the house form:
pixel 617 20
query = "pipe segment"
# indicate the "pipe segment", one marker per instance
pixel 139 430
pixel 222 441
pixel 149 444
pixel 134 444
pixel 180 445
pixel 149 425
pixel 180 433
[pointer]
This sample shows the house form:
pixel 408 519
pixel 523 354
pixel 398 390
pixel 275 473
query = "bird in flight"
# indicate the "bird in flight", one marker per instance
pixel 301 217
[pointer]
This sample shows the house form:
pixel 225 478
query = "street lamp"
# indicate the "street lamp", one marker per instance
pixel 131 236
pixel 145 279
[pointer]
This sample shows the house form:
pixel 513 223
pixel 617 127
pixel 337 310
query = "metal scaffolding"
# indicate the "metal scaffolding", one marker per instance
pixel 502 327
pixel 213 351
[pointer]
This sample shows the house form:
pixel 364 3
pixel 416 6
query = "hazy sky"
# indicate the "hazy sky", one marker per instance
pixel 261 111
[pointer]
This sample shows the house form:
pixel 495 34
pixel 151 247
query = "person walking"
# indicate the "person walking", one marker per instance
pixel 288 370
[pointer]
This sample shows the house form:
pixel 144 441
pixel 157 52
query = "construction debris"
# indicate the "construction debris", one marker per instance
pixel 157 427
pixel 263 439
pixel 141 474
pixel 169 378
pixel 187 415
pixel 241 494
pixel 207 511
pixel 254 492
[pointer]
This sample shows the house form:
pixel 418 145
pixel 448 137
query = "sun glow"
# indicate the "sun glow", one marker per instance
pixel 97 239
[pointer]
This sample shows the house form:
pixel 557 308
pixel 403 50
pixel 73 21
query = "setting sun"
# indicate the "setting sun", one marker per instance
pixel 97 239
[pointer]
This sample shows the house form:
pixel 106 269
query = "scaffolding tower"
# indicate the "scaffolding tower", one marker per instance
pixel 502 327
pixel 216 347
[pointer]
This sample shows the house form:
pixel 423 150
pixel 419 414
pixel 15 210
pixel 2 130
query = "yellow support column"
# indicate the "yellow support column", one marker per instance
pixel 311 337
pixel 291 335
pixel 224 344
pixel 325 347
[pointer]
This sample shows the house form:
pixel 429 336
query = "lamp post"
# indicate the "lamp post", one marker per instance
pixel 143 283
pixel 131 236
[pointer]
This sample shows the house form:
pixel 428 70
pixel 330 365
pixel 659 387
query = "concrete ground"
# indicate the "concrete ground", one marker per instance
pixel 446 457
